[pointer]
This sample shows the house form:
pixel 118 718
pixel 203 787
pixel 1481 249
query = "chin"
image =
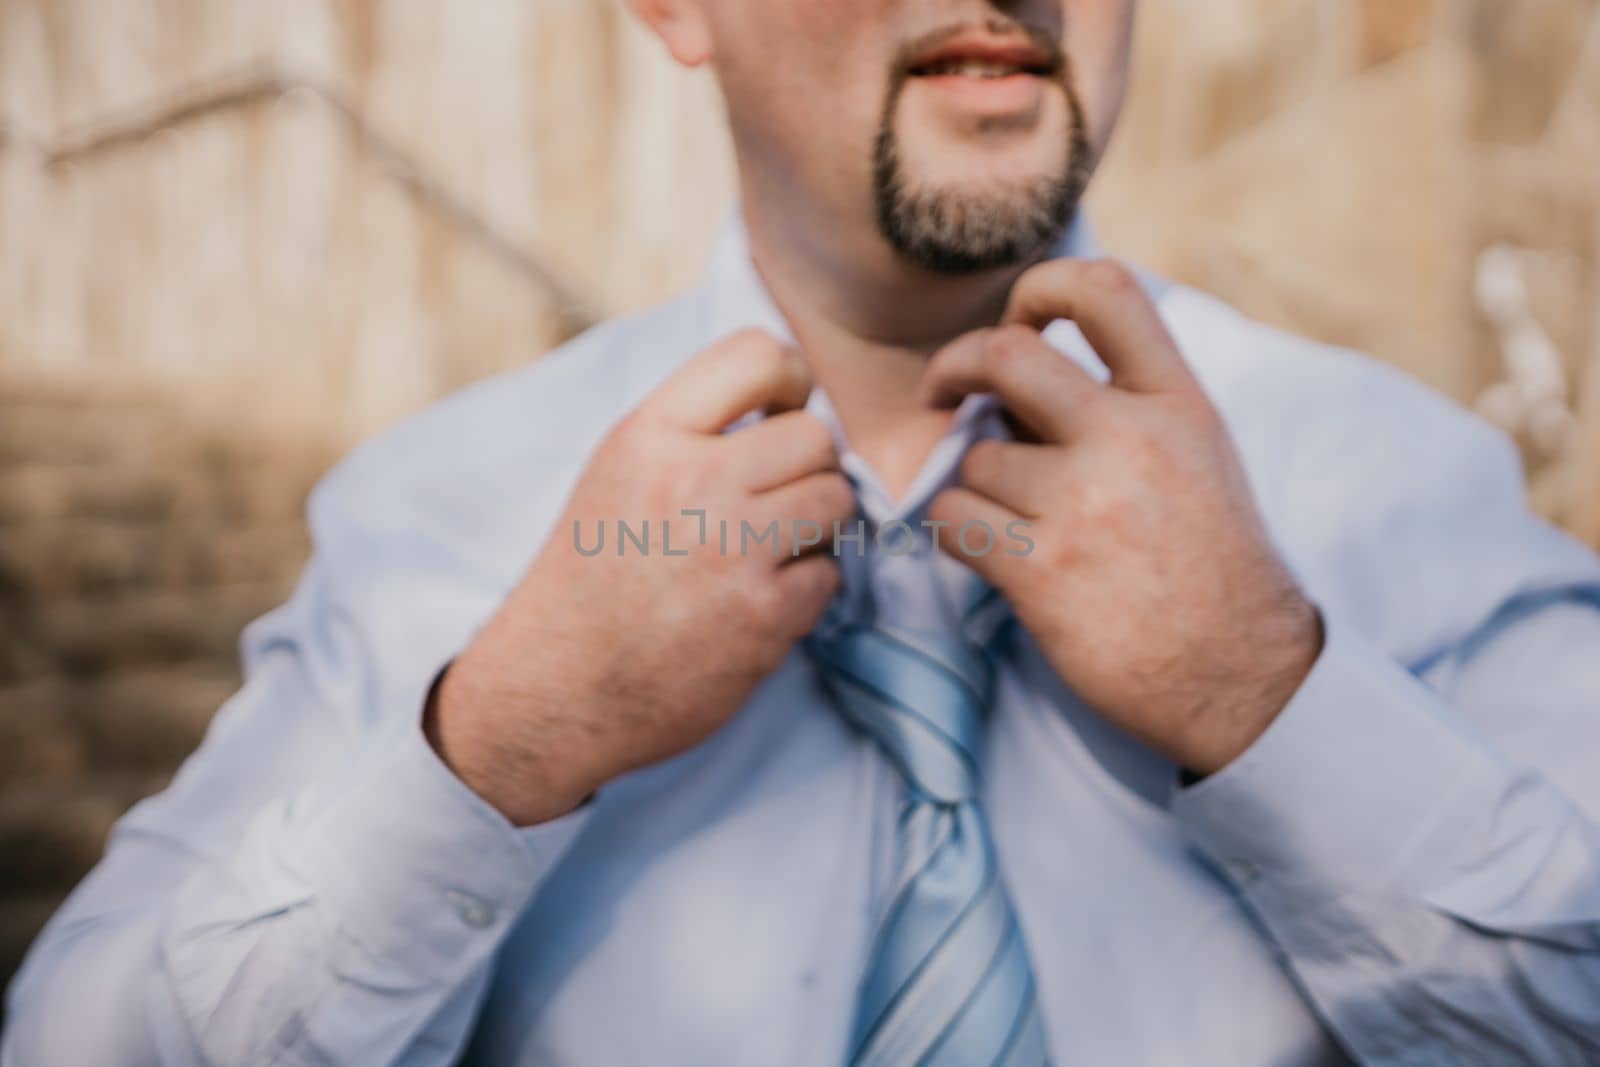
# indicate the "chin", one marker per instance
pixel 968 211
pixel 979 176
pixel 961 194
pixel 935 154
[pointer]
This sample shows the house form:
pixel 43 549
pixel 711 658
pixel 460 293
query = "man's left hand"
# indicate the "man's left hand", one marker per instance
pixel 1152 587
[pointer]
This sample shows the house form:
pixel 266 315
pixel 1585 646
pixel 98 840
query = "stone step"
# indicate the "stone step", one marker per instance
pixel 69 434
pixel 40 740
pixel 44 392
pixel 78 557
pixel 149 721
pixel 92 637
pixel 22 916
pixel 92 559
pixel 67 460
pixel 52 833
pixel 21 656
pixel 144 433
pixel 43 493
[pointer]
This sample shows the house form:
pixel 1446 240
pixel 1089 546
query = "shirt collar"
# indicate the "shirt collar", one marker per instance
pixel 737 299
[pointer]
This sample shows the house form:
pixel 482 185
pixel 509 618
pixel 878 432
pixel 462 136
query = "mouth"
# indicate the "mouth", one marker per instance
pixel 982 57
pixel 970 74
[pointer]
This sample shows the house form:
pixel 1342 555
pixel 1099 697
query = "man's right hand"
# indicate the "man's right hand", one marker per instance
pixel 599 664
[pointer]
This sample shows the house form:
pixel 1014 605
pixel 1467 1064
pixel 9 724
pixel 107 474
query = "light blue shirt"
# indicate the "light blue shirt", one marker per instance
pixel 1405 869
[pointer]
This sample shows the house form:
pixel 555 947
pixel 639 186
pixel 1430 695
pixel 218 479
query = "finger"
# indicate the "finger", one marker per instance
pixel 748 371
pixel 1044 389
pixel 981 533
pixel 809 586
pixel 798 518
pixel 782 449
pixel 1115 314
pixel 1017 476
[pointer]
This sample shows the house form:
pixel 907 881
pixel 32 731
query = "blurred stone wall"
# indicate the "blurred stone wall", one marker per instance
pixel 133 548
pixel 1418 179
pixel 235 236
pixel 328 212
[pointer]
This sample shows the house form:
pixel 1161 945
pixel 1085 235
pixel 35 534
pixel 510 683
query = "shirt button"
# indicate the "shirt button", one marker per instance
pixel 476 913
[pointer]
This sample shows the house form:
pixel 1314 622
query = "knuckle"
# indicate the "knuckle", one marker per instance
pixel 1007 343
pixel 687 480
pixel 1043 278
pixel 823 436
pixel 770 656
pixel 633 437
pixel 1063 553
pixel 634 424
pixel 711 470
pixel 757 350
pixel 814 437
pixel 1096 399
pixel 1111 277
pixel 944 508
pixel 1136 432
pixel 1155 441
pixel 1102 506
pixel 1145 452
pixel 817 581
pixel 755 339
pixel 670 491
pixel 771 358
pixel 681 479
pixel 762 599
pixel 1014 336
pixel 827 582
pixel 838 498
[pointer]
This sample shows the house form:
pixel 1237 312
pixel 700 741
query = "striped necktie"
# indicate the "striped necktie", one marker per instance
pixel 948 982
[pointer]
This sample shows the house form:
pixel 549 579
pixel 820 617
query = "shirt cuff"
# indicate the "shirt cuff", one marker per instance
pixel 419 870
pixel 1345 785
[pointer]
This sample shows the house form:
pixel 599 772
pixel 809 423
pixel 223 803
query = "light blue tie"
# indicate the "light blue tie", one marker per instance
pixel 948 983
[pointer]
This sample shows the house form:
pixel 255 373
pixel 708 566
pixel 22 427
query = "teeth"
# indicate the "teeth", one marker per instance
pixel 974 68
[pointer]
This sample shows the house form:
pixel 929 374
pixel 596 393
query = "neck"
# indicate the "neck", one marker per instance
pixel 868 324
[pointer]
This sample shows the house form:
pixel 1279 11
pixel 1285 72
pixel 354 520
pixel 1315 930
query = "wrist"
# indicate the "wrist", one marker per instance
pixel 524 784
pixel 1238 715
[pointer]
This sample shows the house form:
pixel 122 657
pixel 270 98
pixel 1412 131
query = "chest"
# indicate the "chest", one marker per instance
pixel 718 909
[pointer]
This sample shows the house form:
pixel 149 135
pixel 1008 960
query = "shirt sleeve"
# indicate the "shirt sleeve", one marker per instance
pixel 314 887
pixel 1422 846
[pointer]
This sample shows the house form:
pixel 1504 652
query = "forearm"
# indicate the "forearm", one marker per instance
pixel 1426 894
pixel 352 922
pixel 114 993
pixel 82 996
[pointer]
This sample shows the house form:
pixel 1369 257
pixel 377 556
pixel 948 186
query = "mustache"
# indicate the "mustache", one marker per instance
pixel 1044 40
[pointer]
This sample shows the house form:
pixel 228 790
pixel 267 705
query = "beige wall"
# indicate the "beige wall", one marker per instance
pixel 1414 179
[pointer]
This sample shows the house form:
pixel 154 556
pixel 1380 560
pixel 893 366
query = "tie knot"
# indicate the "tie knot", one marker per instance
pixel 920 696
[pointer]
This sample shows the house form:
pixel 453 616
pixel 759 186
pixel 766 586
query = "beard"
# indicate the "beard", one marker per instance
pixel 956 231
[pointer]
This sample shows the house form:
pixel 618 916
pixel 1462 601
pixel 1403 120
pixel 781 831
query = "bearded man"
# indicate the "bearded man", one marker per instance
pixel 1109 680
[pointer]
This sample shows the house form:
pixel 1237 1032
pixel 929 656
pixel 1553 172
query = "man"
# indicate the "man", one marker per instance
pixel 1242 717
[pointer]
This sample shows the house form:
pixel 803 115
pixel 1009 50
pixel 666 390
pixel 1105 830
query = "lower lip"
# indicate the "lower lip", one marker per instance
pixel 1010 94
